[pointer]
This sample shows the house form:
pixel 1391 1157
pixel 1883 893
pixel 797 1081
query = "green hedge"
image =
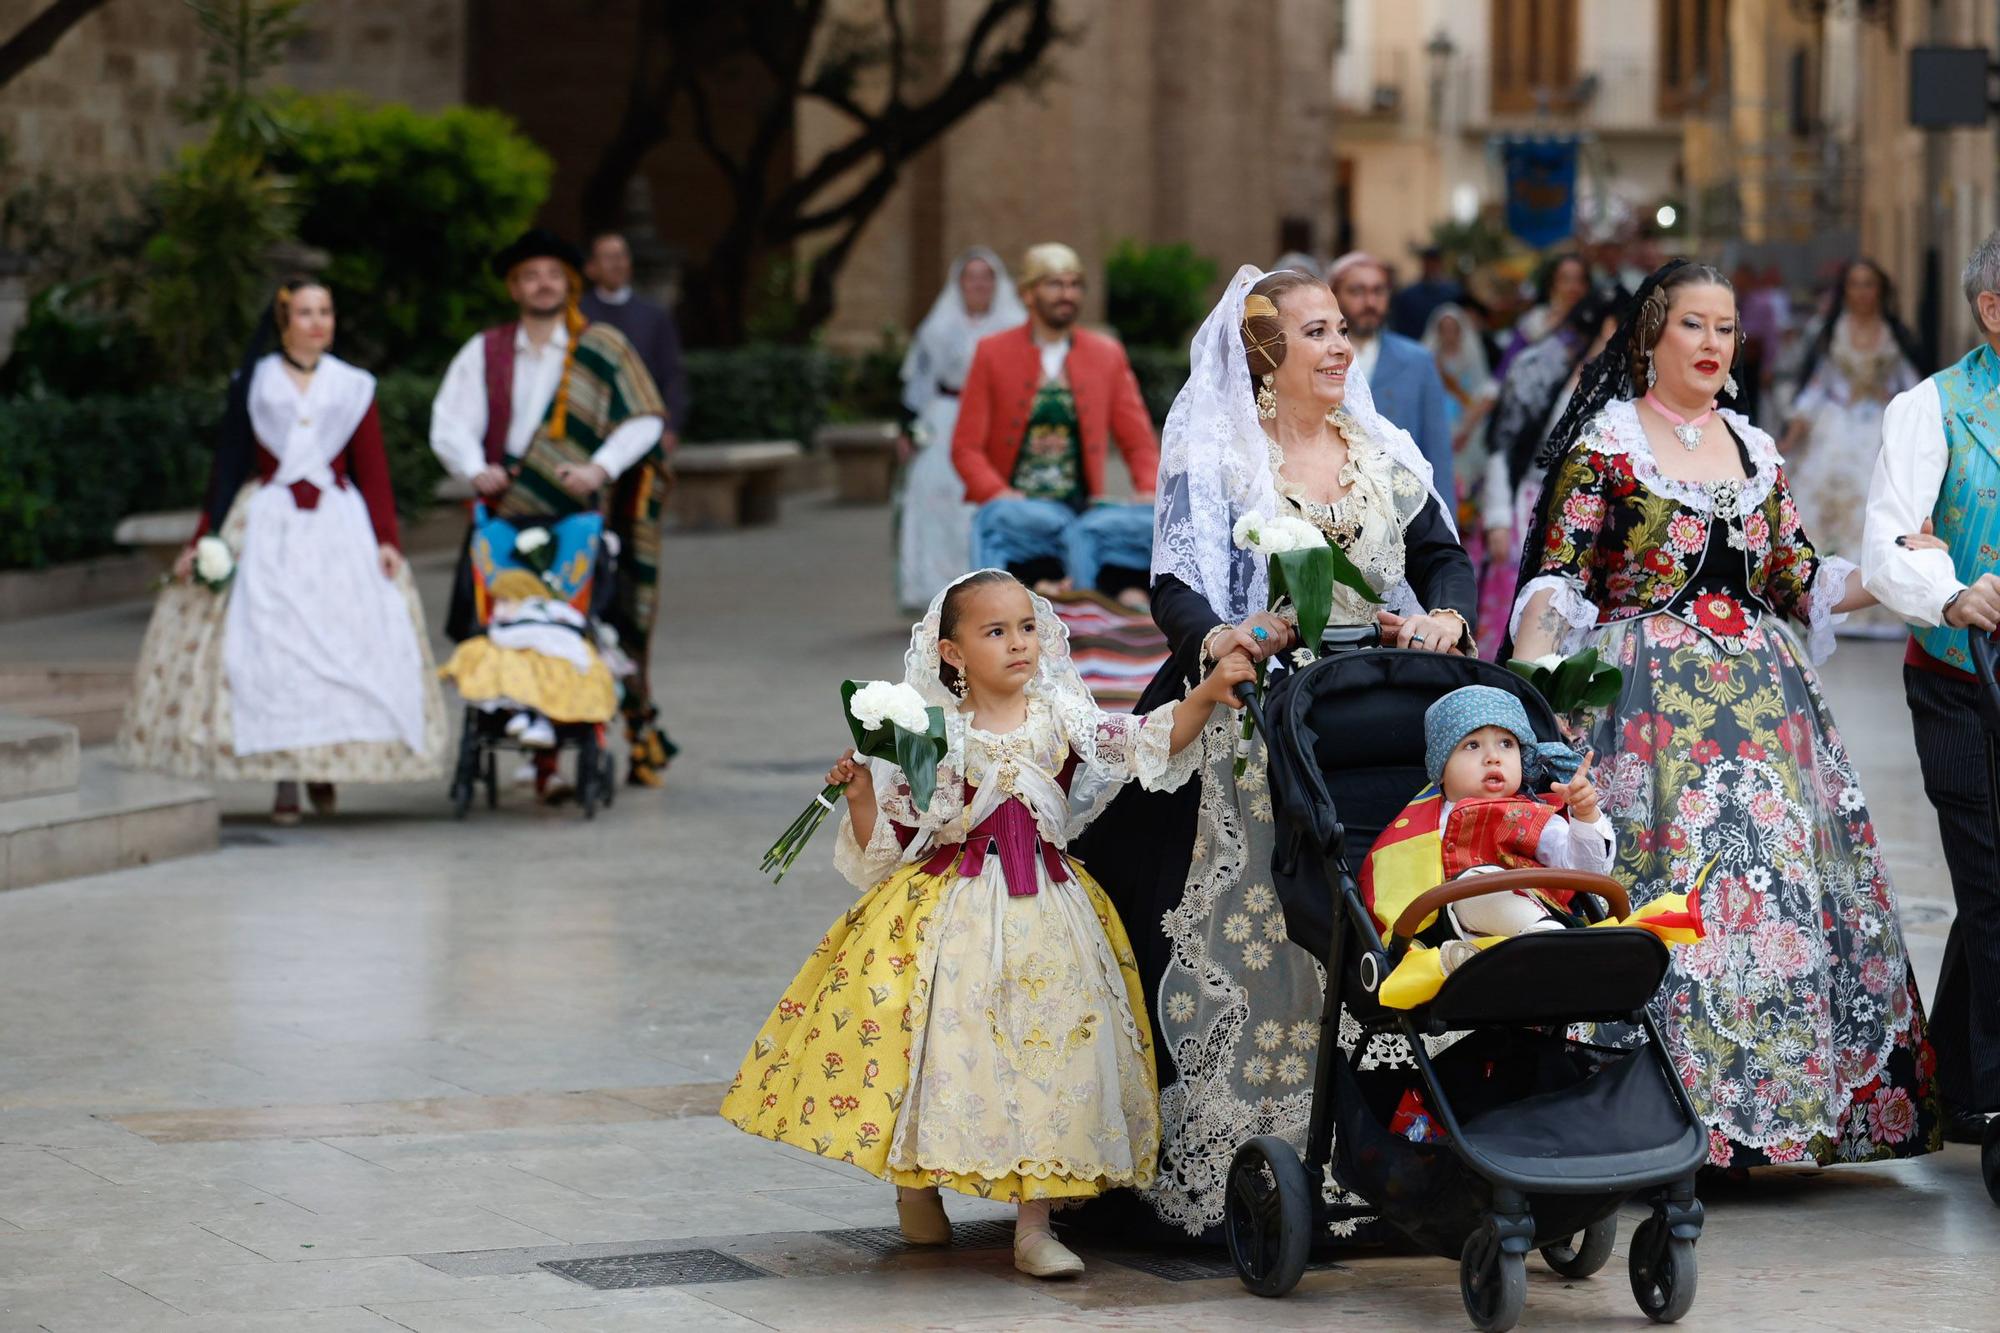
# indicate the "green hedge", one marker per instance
pixel 1161 372
pixel 70 468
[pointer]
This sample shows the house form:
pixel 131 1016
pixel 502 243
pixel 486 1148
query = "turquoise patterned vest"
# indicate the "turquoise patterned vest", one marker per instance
pixel 1967 516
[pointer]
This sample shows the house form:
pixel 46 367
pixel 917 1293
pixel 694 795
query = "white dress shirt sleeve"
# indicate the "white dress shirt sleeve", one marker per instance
pixel 458 413
pixel 1909 472
pixel 1572 844
pixel 628 443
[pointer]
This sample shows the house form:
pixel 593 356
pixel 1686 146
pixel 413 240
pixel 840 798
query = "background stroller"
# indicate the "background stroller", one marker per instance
pixel 1540 1139
pixel 549 666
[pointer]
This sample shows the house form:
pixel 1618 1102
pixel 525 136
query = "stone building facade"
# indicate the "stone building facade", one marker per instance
pixel 101 104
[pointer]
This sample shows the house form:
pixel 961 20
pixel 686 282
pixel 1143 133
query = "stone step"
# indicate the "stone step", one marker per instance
pixel 115 819
pixel 90 698
pixel 37 757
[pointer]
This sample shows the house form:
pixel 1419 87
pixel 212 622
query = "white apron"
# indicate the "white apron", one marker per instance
pixel 318 645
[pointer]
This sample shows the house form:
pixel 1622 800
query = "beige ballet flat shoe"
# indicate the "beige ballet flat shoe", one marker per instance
pixel 922 1218
pixel 1039 1254
pixel 1454 954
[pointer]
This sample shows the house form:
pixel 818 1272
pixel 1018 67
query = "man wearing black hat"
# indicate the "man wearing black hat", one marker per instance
pixel 545 415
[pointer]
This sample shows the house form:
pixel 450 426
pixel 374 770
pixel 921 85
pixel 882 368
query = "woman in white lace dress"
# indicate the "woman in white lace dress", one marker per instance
pixel 1860 359
pixel 933 521
pixel 1274 419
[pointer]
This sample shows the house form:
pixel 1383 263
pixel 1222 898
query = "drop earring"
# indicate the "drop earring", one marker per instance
pixel 957 685
pixel 1652 371
pixel 1729 386
pixel 1267 400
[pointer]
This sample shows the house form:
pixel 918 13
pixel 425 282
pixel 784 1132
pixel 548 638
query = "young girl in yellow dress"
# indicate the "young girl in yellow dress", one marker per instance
pixel 975 1020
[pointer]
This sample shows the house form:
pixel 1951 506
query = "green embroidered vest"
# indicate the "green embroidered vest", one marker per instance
pixel 1967 516
pixel 1050 466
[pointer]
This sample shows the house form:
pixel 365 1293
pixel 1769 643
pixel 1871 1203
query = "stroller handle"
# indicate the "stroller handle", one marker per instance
pixel 1984 653
pixel 1472 886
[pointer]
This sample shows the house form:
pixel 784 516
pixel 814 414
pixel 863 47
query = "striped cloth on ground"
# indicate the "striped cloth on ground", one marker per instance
pixel 1117 650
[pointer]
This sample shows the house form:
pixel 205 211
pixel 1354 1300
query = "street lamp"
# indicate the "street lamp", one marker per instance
pixel 1439 50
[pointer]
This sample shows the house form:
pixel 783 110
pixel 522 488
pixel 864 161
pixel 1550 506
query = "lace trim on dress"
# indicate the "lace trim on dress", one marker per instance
pixel 1617 430
pixel 1380 498
pixel 1568 600
pixel 1829 586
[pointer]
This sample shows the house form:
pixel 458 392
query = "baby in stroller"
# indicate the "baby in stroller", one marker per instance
pixel 1478 815
pixel 539 660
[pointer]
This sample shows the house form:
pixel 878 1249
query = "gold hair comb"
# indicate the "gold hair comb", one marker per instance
pixel 1258 304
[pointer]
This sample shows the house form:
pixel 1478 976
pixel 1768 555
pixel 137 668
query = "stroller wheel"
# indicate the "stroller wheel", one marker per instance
pixel 1267 1216
pixel 1663 1272
pixel 1581 1256
pixel 1989 1158
pixel 1493 1282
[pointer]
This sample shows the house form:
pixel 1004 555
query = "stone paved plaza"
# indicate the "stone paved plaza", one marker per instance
pixel 371 1073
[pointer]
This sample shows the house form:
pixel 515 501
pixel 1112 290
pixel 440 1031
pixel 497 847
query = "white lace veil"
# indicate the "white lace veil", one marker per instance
pixel 944 339
pixel 1056 679
pixel 1215 463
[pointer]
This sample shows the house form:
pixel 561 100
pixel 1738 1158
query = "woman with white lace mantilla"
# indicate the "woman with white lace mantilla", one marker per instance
pixel 1274 419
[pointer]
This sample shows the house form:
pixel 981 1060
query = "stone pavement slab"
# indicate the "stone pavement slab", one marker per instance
pixel 371 1072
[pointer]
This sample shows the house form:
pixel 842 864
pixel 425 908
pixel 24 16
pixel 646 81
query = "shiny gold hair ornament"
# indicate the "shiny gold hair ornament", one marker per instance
pixel 1256 305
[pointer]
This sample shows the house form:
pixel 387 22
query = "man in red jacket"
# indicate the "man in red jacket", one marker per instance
pixel 1035 416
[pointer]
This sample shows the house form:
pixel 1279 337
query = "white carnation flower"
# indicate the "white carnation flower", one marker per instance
pixel 1275 536
pixel 212 560
pixel 531 541
pixel 879 701
pixel 1550 661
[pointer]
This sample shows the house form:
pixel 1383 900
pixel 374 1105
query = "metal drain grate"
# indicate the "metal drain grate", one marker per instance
pixel 671 1268
pixel 886 1241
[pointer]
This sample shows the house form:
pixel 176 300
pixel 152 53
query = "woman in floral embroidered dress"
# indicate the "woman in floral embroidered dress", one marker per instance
pixel 1274 419
pixel 974 1022
pixel 1668 540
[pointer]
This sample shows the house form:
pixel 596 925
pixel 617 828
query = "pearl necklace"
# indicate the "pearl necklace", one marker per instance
pixel 1686 431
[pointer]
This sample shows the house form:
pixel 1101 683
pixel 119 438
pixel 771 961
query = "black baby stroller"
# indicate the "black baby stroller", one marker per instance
pixel 1539 1138
pixel 1984 654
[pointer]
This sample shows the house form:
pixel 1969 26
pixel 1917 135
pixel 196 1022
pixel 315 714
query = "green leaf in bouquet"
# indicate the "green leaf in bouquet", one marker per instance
pixel 1535 674
pixel 1307 578
pixel 1567 690
pixel 918 757
pixel 1605 683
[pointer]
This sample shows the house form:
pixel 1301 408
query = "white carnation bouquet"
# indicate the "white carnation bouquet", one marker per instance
pixel 889 722
pixel 214 563
pixel 1302 566
pixel 1575 686
pixel 536 549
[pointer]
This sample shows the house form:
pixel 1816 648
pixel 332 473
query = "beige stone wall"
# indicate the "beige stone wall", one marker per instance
pixel 1893 164
pixel 101 104
pixel 1202 121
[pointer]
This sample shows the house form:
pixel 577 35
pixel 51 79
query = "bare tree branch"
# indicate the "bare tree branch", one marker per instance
pixel 39 35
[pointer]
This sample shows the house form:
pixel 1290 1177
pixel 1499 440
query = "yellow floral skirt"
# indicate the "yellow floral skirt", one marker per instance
pixel 554 688
pixel 946 1033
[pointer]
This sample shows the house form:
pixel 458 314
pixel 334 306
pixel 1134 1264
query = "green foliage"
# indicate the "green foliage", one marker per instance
pixel 219 214
pixel 1161 372
pixel 71 467
pixel 410 208
pixel 1156 294
pixel 244 40
pixel 403 401
pixel 1471 245
pixel 872 382
pixel 766 391
pixel 70 345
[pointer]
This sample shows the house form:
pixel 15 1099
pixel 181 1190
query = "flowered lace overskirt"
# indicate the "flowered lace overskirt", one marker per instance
pixel 1795 1023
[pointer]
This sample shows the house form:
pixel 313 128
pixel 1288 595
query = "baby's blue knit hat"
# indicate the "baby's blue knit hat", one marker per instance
pixel 1458 714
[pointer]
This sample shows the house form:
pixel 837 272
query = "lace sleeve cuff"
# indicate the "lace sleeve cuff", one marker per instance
pixel 1154 764
pixel 865 867
pixel 1828 588
pixel 1567 600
